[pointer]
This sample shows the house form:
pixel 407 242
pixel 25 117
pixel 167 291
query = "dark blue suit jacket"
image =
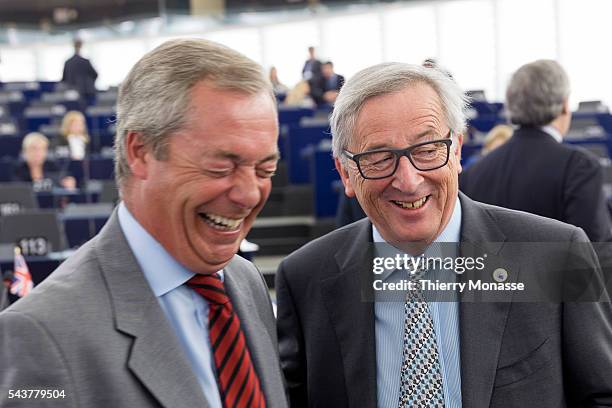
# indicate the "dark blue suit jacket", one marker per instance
pixel 79 73
pixel 532 172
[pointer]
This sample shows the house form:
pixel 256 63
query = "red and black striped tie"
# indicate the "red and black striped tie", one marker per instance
pixel 238 382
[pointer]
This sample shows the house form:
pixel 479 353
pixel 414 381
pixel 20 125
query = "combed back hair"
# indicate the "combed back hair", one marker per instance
pixel 388 78
pixel 154 98
pixel 536 93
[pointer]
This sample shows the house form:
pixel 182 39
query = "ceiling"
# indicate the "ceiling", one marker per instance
pixel 71 13
pixel 61 15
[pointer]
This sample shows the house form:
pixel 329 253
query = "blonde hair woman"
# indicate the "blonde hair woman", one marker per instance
pixel 74 134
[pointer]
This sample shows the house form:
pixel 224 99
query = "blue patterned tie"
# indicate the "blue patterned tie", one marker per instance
pixel 420 376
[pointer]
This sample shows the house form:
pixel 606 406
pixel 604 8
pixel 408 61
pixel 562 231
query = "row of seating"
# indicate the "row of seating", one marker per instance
pixel 96 167
pixel 40 106
pixel 26 214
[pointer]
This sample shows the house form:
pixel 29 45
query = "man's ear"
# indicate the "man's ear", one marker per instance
pixel 348 186
pixel 456 146
pixel 138 155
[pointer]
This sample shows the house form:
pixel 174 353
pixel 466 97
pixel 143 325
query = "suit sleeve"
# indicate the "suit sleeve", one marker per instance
pixel 31 360
pixel 585 205
pixel 587 344
pixel 290 343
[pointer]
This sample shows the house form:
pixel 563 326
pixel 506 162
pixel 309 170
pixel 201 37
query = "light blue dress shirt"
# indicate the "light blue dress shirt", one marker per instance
pixel 389 327
pixel 186 311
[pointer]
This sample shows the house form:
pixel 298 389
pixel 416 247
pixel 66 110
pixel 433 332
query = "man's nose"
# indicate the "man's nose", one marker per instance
pixel 245 191
pixel 406 178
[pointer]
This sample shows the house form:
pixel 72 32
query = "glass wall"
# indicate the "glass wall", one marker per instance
pixel 481 42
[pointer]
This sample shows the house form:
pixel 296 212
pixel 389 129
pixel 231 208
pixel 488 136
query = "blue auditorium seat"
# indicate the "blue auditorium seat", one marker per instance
pixel 69 99
pixel 101 168
pixel 485 123
pixel 487 108
pixel 14 104
pixel 101 123
pixel 10 146
pixel 324 177
pixel 77 169
pixel 297 139
pixel 6 169
pixel 602 148
pixel 47 86
pixel 30 90
pixel 289 115
pixel 35 116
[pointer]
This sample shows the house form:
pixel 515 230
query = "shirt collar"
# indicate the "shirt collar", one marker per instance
pixel 162 271
pixel 551 130
pixel 451 233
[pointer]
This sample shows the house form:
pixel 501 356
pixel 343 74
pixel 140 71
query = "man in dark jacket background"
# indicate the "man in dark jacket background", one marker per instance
pixel 534 171
pixel 79 73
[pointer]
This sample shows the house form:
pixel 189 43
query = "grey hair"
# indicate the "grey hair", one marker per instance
pixel 388 78
pixel 537 92
pixel 154 98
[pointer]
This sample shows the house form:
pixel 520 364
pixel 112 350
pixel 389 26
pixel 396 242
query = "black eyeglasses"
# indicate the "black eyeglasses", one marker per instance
pixel 426 156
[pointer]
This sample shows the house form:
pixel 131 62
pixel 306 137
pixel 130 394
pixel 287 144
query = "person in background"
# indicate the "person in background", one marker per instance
pixel 277 85
pixel 312 66
pixel 325 89
pixel 299 96
pixel 535 171
pixel 74 135
pixel 79 74
pixel 495 138
pixel 35 167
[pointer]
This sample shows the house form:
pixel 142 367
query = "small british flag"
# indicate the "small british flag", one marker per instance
pixel 22 280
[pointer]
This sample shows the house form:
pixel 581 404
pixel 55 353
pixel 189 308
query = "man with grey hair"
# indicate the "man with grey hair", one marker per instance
pixel 355 334
pixel 535 171
pixel 158 310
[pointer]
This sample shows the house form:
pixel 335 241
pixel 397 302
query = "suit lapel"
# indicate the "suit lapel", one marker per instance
pixel 260 344
pixel 156 357
pixel 348 298
pixel 482 316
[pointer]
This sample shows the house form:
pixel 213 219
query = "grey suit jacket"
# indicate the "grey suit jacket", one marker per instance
pixel 513 354
pixel 95 329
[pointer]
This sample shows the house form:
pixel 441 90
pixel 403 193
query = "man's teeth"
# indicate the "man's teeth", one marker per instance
pixel 221 223
pixel 412 204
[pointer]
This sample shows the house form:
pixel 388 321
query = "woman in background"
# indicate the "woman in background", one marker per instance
pixel 299 96
pixel 277 85
pixel 35 168
pixel 495 138
pixel 74 134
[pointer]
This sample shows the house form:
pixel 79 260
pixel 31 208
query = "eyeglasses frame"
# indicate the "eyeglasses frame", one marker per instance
pixel 398 153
